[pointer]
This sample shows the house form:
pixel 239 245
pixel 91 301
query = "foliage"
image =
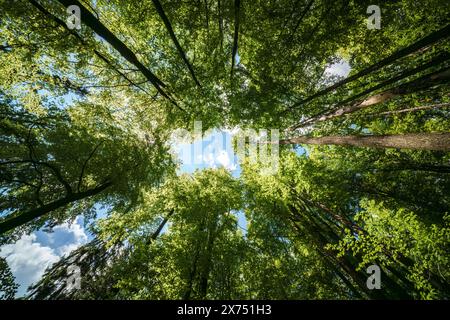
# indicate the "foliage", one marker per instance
pixel 86 117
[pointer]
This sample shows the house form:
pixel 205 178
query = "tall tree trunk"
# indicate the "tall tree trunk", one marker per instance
pixel 219 9
pixel 424 82
pixel 160 227
pixel 207 262
pixel 316 234
pixel 428 40
pixel 412 109
pixel 77 36
pixel 237 4
pixel 416 141
pixel 193 270
pixel 190 282
pixel 92 22
pixel 347 262
pixel 407 73
pixel 340 218
pixel 23 218
pixel 169 28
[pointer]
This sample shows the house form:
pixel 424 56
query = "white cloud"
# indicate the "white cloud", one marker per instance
pixel 224 159
pixel 67 237
pixel 219 158
pixel 213 150
pixel 32 254
pixel 341 68
pixel 28 260
pixel 208 159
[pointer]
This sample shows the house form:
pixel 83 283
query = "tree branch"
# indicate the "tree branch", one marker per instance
pixel 80 179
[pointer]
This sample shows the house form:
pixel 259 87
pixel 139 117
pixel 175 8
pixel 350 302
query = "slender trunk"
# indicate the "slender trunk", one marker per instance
pixel 193 270
pixel 99 28
pixel 320 240
pixel 21 219
pixel 349 262
pixel 427 41
pixel 407 73
pixel 413 109
pixel 424 82
pixel 416 141
pixel 160 227
pixel 344 279
pixel 77 36
pixel 220 24
pixel 299 21
pixel 207 262
pixel 187 293
pixel 169 28
pixel 339 218
pixel 237 4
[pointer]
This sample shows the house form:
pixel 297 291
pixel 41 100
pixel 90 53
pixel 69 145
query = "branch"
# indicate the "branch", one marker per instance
pixel 100 29
pixel 107 35
pixel 428 40
pixel 58 175
pixel 19 219
pixel 169 28
pixel 422 83
pixel 80 179
pixel 299 21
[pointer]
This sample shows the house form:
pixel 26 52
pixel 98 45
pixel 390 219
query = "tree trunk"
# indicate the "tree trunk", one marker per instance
pixel 421 83
pixel 26 217
pixel 237 4
pixel 436 61
pixel 92 22
pixel 190 282
pixel 428 40
pixel 220 24
pixel 160 227
pixel 316 234
pixel 416 141
pixel 77 36
pixel 169 28
pixel 413 109
pixel 207 261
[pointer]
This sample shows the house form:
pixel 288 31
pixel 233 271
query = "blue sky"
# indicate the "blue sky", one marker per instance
pixel 32 254
pixel 213 151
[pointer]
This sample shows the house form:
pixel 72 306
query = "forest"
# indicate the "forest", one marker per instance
pixel 92 91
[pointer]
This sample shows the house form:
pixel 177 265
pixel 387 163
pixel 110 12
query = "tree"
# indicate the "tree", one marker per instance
pixel 8 287
pixel 86 117
pixel 53 161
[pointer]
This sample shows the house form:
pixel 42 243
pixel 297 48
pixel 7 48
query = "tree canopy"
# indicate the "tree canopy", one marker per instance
pixel 86 120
